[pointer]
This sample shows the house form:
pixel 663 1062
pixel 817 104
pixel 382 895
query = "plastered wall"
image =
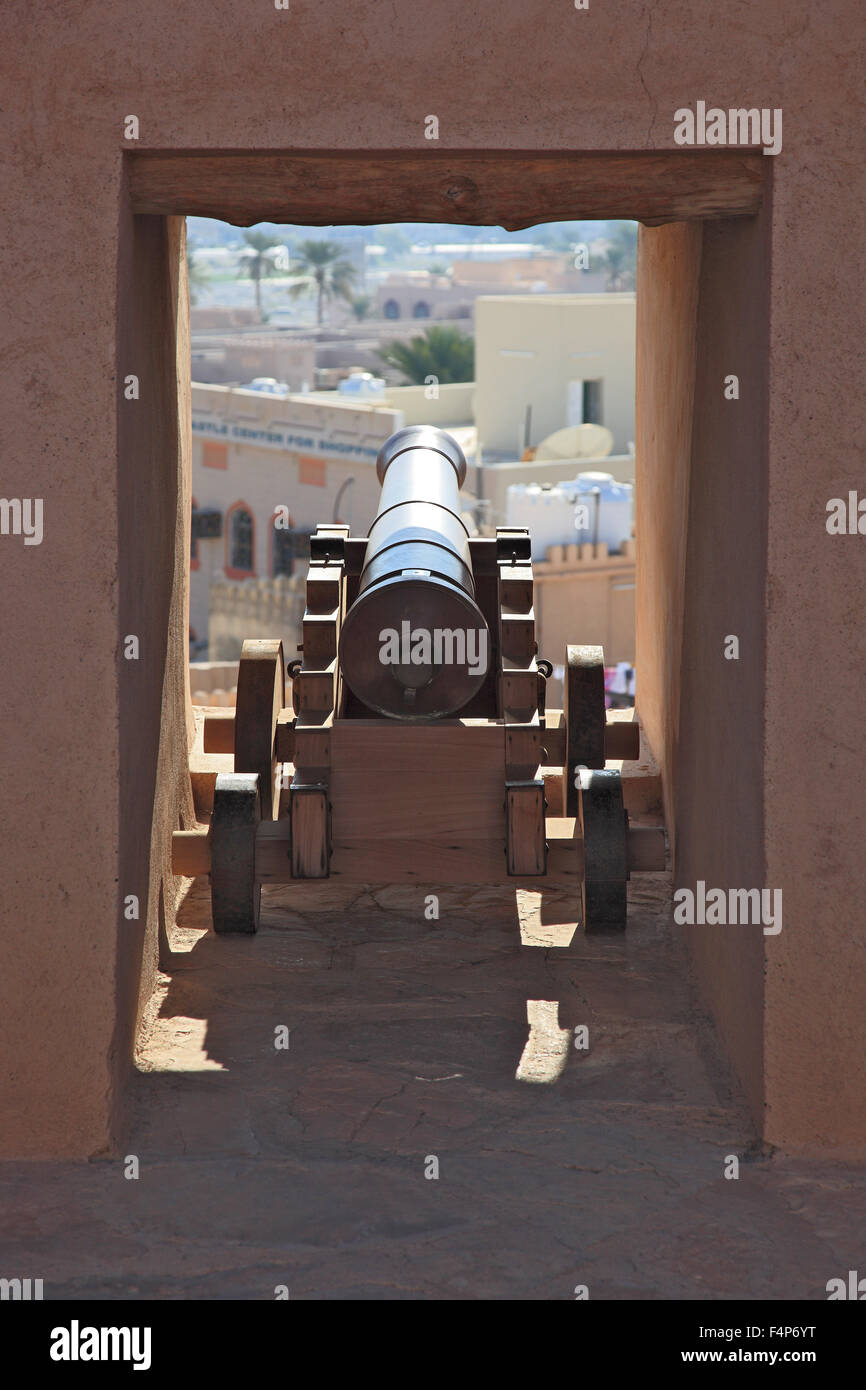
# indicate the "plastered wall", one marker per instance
pixel 717 787
pixel 669 260
pixel 155 714
pixel 528 348
pixel 77 804
pixel 701 528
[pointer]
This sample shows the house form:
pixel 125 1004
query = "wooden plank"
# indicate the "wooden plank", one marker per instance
pixel 369 860
pixel 312 744
pixel 483 554
pixel 261 695
pixel 354 550
pixel 284 738
pixel 519 694
pixel 320 639
pixel 639 789
pixel 523 744
pixel 316 691
pixel 328 541
pixel 621 738
pixel 554 791
pixel 513 545
pixel 436 804
pixel 524 802
pixel 373 746
pixel 509 188
pixel 274 851
pixel 310 831
pixel 563 829
pixel 411 860
pixel 474 862
pixel 524 787
pixel 554 738
pixel 324 584
pixel 443 780
pixel 516 588
pixel 218 733
pixel 289 771
pixel 319 683
pixel 517 637
pixel 190 852
pixel 203 771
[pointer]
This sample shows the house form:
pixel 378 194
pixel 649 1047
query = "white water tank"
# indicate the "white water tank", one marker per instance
pixel 564 513
pixel 362 384
pixel 614 503
pixel 546 510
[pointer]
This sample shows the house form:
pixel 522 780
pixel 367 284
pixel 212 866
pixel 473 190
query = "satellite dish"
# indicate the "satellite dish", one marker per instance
pixel 576 442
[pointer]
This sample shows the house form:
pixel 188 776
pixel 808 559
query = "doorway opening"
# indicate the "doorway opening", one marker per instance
pixel 702 291
pixel 306 354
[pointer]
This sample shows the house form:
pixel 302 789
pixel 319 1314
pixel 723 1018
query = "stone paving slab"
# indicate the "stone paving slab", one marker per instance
pixel 412 1040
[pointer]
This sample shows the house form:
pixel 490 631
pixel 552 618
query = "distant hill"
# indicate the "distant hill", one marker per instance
pixel 401 235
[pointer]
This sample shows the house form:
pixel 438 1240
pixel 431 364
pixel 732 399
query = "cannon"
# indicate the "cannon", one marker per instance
pixel 418 747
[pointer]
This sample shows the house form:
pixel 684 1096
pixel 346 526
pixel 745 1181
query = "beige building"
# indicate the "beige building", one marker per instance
pixel 419 294
pixel 568 358
pixel 240 357
pixel 586 597
pixel 313 456
pixel 547 272
pixel 255 454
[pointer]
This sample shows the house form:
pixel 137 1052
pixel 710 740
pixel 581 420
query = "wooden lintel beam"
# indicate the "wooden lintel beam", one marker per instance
pixel 510 188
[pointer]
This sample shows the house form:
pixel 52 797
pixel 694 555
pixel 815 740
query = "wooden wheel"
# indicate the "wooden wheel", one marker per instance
pixel 261 696
pixel 604 826
pixel 235 894
pixel 584 716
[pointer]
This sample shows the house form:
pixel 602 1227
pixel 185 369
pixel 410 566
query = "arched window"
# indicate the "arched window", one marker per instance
pixel 240 540
pixel 391 309
pixel 421 310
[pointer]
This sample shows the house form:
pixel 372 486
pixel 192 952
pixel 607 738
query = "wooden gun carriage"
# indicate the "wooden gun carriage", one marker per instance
pixel 406 757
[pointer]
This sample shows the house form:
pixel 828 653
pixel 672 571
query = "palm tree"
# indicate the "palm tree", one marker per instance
pixel 196 274
pixel 257 260
pixel 613 261
pixel 361 305
pixel 322 267
pixel 444 353
pixel 620 258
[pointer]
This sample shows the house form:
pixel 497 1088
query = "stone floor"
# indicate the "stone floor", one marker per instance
pixel 415 1042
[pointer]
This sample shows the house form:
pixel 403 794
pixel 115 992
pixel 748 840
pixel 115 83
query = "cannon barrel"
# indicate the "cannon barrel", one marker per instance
pixel 415 644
